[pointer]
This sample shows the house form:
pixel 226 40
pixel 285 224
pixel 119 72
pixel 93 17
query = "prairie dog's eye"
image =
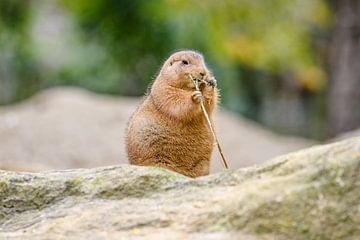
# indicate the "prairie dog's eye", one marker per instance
pixel 184 62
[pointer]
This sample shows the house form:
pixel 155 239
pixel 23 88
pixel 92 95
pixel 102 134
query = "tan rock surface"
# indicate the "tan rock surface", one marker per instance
pixel 311 194
pixel 65 128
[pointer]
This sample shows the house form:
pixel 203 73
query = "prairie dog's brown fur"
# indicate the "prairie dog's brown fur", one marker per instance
pixel 169 129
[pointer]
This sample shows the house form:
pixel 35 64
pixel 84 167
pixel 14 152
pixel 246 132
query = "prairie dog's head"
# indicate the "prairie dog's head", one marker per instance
pixel 179 65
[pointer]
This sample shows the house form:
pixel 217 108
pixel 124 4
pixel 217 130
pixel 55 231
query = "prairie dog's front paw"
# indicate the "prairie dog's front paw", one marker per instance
pixel 197 96
pixel 211 82
pixel 208 89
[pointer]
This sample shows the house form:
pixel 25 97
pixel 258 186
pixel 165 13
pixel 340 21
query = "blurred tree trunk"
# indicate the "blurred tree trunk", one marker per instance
pixel 344 88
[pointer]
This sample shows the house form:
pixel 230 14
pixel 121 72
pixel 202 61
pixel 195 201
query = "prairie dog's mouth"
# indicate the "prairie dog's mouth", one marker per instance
pixel 210 81
pixel 195 79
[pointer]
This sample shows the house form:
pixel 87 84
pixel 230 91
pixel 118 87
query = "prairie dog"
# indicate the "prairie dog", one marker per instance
pixel 169 129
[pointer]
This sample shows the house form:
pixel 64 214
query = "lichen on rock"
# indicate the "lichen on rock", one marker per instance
pixel 310 194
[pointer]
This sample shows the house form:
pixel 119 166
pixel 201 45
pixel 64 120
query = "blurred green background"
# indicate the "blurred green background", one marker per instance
pixel 292 65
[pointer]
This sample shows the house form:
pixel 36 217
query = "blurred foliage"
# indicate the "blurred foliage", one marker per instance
pixel 132 32
pixel 268 56
pixel 19 74
pixel 269 35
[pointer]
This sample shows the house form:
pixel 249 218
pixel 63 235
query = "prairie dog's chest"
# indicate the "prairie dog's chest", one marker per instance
pixel 186 133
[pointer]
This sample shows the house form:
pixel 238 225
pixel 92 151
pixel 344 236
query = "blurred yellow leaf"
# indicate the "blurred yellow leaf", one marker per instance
pixel 312 78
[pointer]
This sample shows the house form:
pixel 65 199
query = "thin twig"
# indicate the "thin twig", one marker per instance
pixel 209 123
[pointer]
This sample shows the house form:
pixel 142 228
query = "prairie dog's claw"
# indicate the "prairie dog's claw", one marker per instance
pixel 208 84
pixel 212 82
pixel 197 96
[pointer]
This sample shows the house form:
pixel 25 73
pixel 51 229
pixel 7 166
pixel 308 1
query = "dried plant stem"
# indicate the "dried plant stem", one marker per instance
pixel 209 123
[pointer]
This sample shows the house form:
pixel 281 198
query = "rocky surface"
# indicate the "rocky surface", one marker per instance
pixel 65 128
pixel 310 194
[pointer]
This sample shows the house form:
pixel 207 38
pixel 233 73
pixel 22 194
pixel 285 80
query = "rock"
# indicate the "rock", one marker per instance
pixel 65 127
pixel 346 135
pixel 310 194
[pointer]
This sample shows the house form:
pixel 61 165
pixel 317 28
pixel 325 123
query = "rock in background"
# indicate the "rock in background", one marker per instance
pixel 310 194
pixel 65 128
